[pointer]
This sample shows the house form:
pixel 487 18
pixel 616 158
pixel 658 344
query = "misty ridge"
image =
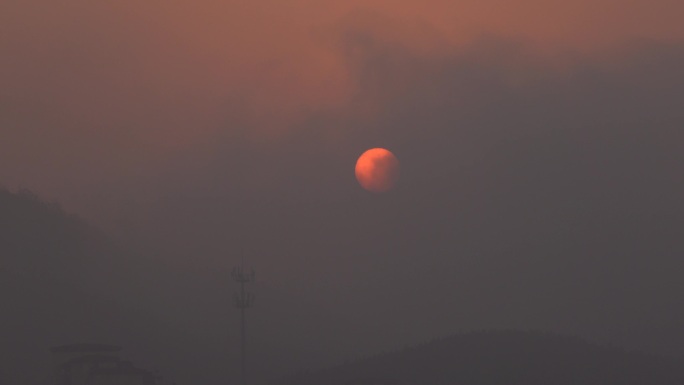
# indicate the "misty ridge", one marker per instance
pixel 59 283
pixel 500 357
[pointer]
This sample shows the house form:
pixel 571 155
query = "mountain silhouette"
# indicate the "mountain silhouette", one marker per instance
pixel 60 282
pixel 501 357
pixel 63 281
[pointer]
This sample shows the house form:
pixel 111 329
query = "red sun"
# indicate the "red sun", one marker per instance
pixel 377 170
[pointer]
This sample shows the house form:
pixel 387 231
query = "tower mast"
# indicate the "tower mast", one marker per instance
pixel 243 301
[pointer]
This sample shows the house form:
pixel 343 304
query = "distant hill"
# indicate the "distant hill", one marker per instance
pixel 502 357
pixel 58 284
pixel 46 253
pixel 63 281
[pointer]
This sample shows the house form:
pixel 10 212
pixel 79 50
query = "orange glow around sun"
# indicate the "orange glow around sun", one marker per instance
pixel 377 170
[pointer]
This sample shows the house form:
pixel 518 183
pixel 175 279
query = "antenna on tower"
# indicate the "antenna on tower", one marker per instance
pixel 243 301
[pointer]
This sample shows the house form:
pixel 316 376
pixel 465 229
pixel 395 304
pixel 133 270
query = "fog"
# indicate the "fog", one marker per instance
pixel 540 183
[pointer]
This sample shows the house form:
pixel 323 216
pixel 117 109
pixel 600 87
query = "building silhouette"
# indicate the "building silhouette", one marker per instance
pixel 96 364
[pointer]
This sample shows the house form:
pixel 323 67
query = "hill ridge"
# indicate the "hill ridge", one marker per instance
pixel 502 357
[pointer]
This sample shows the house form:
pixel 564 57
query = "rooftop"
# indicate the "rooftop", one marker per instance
pixel 85 348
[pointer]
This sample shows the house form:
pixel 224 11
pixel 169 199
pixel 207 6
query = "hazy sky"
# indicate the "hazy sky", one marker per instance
pixel 111 94
pixel 540 143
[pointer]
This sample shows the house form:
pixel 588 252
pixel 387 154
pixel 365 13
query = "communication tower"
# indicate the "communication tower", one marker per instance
pixel 243 301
